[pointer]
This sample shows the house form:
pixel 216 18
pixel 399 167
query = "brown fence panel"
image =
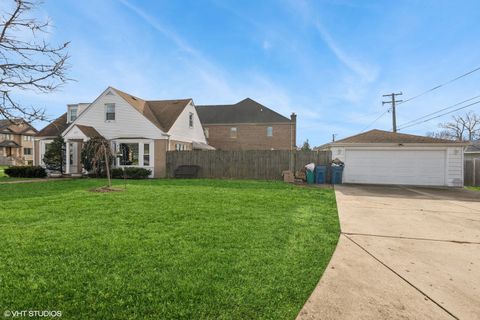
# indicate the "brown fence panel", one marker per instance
pixel 476 175
pixel 251 164
pixel 471 171
pixel 468 173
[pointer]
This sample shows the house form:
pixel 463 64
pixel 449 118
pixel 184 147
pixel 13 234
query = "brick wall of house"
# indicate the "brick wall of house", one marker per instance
pixel 252 136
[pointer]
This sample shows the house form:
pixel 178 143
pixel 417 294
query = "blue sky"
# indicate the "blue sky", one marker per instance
pixel 329 61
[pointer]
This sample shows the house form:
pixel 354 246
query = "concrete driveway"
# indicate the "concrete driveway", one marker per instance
pixel 404 253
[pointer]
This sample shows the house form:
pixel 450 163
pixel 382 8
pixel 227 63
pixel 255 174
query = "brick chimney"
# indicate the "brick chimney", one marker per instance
pixel 293 134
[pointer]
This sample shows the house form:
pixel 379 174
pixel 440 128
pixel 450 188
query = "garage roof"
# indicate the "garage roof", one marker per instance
pixel 380 136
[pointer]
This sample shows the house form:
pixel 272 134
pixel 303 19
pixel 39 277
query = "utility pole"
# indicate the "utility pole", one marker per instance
pixel 393 102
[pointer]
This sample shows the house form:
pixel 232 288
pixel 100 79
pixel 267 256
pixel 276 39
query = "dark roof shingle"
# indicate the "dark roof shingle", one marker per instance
pixel 17 126
pixel 474 147
pixel 162 113
pixel 88 131
pixel 245 111
pixel 55 128
pixel 9 143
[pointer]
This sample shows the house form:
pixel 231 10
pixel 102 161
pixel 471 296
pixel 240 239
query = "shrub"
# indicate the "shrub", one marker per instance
pixel 26 172
pixel 131 173
pixel 54 157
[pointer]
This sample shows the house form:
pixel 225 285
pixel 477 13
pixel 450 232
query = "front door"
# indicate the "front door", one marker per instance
pixel 9 151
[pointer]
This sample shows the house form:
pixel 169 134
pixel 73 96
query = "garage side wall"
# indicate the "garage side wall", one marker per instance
pixel 454 167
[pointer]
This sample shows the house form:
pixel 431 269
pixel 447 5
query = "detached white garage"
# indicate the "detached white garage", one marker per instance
pixel 382 157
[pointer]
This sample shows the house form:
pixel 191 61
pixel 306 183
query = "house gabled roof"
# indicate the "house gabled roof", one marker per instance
pixel 17 126
pixel 55 128
pixel 88 131
pixel 162 113
pixel 9 143
pixel 380 136
pixel 245 111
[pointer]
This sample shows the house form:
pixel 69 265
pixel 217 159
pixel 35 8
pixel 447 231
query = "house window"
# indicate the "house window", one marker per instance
pixel 190 120
pixel 73 114
pixel 27 151
pixel 269 131
pixel 109 111
pixel 27 138
pixel 206 132
pixel 7 136
pixel 233 132
pixel 146 154
pixel 129 154
pixel 180 147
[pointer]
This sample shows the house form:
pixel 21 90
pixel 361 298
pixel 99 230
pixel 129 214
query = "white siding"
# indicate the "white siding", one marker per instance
pixel 455 167
pixel 181 130
pixel 451 157
pixel 128 121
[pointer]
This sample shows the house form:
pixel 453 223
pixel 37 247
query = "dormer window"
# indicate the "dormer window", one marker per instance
pixel 72 113
pixel 190 119
pixel 110 112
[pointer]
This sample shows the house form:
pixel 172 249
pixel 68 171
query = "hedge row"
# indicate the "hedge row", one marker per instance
pixel 25 172
pixel 130 173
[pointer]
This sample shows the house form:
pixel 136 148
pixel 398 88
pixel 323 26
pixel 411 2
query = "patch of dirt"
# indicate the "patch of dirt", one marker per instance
pixel 106 189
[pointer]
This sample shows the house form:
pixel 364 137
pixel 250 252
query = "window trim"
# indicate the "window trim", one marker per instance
pixel 269 132
pixel 70 114
pixel 147 153
pixel 107 105
pixel 232 134
pixel 141 149
pixel 190 120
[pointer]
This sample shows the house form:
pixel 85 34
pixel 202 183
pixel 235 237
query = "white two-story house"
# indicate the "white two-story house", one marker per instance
pixel 141 131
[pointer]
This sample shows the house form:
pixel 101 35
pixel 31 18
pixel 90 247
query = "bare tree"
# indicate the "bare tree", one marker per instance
pixel 461 128
pixel 26 62
pixel 443 134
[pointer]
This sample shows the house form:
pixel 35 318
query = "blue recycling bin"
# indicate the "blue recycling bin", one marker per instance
pixel 320 174
pixel 337 173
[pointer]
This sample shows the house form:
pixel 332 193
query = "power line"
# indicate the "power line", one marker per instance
pixel 441 85
pixel 383 113
pixel 438 111
pixel 441 115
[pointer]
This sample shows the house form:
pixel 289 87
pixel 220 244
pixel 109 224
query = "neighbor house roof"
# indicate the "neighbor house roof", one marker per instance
pixel 55 128
pixel 245 111
pixel 473 147
pixel 380 136
pixel 17 126
pixel 9 143
pixel 88 131
pixel 162 113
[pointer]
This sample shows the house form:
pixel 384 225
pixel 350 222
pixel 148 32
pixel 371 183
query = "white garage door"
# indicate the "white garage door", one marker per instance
pixel 412 167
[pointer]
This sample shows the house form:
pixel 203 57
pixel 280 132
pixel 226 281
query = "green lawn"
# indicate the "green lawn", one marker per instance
pixel 473 188
pixel 176 249
pixel 2 173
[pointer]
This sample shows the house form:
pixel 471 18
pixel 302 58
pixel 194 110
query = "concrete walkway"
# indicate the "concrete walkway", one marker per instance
pixel 404 253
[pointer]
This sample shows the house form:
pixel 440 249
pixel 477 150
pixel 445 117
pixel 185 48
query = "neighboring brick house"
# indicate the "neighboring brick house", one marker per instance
pixel 16 142
pixel 247 125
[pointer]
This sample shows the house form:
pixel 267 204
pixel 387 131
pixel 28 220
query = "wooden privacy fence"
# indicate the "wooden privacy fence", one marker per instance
pixel 251 164
pixel 472 172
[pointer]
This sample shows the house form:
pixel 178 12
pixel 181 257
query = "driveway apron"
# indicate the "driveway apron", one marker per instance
pixel 404 253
